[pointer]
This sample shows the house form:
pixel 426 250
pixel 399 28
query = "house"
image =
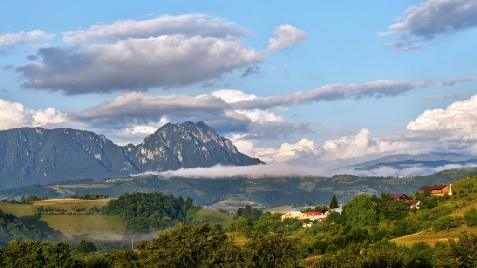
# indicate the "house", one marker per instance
pixel 414 203
pixel 410 202
pixel 400 197
pixel 312 216
pixel 436 190
pixel 291 215
pixel 315 216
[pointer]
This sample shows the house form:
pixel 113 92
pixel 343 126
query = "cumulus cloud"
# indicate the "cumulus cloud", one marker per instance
pixel 9 39
pixel 46 117
pixel 352 147
pixel 187 24
pixel 136 64
pixel 14 114
pixel 431 19
pixel 460 115
pixel 287 36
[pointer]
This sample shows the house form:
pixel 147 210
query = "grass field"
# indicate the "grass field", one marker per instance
pixel 18 210
pixel 431 238
pixel 214 217
pixel 95 226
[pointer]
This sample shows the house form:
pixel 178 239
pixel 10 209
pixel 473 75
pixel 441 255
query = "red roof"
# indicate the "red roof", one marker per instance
pixel 399 196
pixel 313 213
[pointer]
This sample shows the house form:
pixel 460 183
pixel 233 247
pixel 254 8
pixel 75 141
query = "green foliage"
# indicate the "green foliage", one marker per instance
pixel 85 247
pixel 388 209
pixel 94 260
pixel 189 246
pixel 470 217
pixel 446 223
pixel 37 254
pixel 271 250
pixel 249 213
pixel 144 212
pixel 360 211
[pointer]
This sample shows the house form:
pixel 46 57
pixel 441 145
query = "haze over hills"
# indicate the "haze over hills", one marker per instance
pixel 430 160
pixel 40 156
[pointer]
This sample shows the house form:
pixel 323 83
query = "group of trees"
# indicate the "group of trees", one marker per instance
pixel 91 196
pixel 145 212
pixel 24 200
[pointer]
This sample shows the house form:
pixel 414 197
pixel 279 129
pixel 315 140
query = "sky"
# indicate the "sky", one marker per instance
pixel 315 84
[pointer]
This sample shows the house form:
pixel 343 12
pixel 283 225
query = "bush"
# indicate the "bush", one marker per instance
pixel 470 217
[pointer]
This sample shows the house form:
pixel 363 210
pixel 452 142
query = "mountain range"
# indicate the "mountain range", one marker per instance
pixel 41 156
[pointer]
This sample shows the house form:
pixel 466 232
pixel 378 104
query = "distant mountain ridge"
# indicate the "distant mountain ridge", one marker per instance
pixel 425 160
pixel 40 156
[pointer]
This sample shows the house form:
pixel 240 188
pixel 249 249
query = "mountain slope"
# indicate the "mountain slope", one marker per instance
pixel 40 156
pixel 187 145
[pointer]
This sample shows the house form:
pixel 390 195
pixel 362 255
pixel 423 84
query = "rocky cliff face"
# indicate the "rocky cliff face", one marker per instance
pixel 39 156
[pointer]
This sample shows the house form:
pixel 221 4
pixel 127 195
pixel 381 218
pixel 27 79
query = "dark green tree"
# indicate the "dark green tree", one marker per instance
pixel 85 247
pixel 334 202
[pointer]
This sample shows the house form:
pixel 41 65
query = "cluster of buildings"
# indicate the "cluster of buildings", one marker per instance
pixel 316 216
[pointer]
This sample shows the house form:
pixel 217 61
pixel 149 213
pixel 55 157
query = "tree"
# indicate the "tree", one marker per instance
pixel 470 217
pixel 360 211
pixel 388 209
pixel 271 250
pixel 85 247
pixel 334 202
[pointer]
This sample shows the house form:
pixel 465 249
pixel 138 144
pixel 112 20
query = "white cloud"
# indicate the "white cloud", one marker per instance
pixel 431 19
pixel 187 24
pixel 460 115
pixel 274 169
pixel 46 117
pixel 135 133
pixel 287 36
pixel 353 147
pixel 15 115
pixel 9 39
pixel 287 152
pixel 231 95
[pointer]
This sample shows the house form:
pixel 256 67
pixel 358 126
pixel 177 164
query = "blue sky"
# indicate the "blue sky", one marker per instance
pixel 307 84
